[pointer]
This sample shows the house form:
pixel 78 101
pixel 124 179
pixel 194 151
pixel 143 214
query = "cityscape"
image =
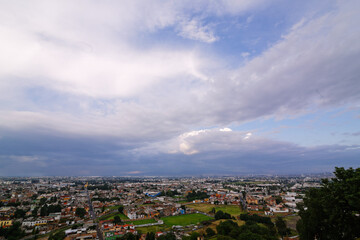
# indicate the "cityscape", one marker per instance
pixel 109 208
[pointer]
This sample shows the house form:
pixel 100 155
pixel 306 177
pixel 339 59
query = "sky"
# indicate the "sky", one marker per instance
pixel 178 88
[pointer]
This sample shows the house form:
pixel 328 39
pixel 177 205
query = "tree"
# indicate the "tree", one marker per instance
pixel 117 220
pixel 224 228
pixel 193 236
pixel 168 236
pixel 278 199
pixel 121 209
pixel 34 212
pixel 12 233
pixel 210 232
pixel 281 227
pixel 42 201
pixel 44 210
pixel 57 236
pixel 332 211
pixel 221 215
pixel 196 195
pixel 150 236
pixel 19 213
pixel 80 212
pixel 128 236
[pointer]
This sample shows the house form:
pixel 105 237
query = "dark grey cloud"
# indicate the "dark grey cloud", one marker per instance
pixel 216 153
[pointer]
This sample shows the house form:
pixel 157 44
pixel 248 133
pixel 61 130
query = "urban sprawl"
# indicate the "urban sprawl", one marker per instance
pixel 147 207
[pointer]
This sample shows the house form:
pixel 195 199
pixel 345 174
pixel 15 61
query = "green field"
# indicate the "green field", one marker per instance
pixel 113 207
pixel 185 220
pixel 111 216
pixel 154 229
pixel 233 210
pixel 140 222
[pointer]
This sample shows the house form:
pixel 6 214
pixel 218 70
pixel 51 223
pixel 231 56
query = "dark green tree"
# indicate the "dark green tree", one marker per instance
pixel 281 227
pixel 278 199
pixel 42 201
pixel 210 232
pixel 57 236
pixel 194 236
pixel 128 236
pixel 19 213
pixel 80 212
pixel 117 220
pixel 121 209
pixel 150 236
pixel 34 212
pixel 222 237
pixel 168 236
pixel 221 215
pixel 332 211
pixel 12 233
pixel 44 210
pixel 224 228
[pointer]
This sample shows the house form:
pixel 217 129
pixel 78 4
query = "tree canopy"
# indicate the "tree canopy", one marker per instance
pixel 81 212
pixel 196 195
pixel 121 209
pixel 221 215
pixel 332 211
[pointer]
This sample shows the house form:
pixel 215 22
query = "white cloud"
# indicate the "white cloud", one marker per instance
pixel 314 65
pixel 194 30
pixel 89 53
pixel 225 130
pixel 199 141
pixel 247 136
pixel 25 159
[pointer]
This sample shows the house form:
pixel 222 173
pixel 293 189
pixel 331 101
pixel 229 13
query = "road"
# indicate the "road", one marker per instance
pixel 93 217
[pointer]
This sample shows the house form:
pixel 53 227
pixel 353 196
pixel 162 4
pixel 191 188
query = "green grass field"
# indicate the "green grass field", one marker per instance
pixel 206 208
pixel 154 229
pixel 185 220
pixel 140 222
pixel 113 207
pixel 111 216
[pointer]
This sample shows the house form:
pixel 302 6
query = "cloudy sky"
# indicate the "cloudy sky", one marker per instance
pixel 227 87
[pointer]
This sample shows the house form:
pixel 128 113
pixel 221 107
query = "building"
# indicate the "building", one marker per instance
pixel 6 223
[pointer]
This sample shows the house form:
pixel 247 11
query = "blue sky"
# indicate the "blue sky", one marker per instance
pixel 178 87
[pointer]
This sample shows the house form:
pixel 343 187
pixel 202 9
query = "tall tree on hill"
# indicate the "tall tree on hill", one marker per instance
pixel 117 220
pixel 150 236
pixel 281 227
pixel 332 211
pixel 121 209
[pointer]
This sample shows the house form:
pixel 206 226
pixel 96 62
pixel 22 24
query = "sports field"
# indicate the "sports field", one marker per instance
pixel 233 210
pixel 185 220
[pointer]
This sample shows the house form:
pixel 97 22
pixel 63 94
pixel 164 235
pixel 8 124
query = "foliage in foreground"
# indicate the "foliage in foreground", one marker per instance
pixel 332 211
pixel 249 231
pixel 12 233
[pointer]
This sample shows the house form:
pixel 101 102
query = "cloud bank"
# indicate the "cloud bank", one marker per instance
pixel 152 85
